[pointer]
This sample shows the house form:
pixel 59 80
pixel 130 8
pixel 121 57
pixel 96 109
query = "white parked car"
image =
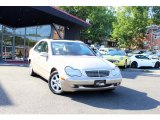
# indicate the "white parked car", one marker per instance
pixel 72 66
pixel 138 60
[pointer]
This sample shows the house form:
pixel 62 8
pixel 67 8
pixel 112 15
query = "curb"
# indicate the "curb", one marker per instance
pixel 20 65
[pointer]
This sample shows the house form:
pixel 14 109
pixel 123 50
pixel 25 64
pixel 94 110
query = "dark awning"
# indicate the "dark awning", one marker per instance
pixel 23 16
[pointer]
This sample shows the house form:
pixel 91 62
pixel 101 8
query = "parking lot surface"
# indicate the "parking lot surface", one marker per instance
pixel 23 94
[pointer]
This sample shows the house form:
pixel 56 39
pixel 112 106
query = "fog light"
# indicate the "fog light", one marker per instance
pixel 62 78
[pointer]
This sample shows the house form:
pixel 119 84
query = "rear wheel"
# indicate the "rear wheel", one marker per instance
pixel 55 83
pixel 31 71
pixel 134 65
pixel 156 65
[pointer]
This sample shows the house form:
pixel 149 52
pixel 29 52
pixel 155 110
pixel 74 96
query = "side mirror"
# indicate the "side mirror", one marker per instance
pixel 44 54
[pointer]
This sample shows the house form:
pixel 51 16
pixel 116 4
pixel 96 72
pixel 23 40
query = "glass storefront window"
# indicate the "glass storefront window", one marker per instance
pixel 31 41
pixel 0 28
pixel 19 41
pixel 7 30
pixel 19 48
pixel 20 31
pixel 44 31
pixel 8 40
pixel 31 31
pixel 24 39
pixel 0 42
pixel 7 47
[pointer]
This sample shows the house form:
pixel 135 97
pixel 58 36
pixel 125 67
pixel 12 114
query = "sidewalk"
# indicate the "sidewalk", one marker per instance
pixel 19 63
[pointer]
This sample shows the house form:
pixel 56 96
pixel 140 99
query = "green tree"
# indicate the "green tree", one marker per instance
pixel 155 14
pixel 130 26
pixel 101 19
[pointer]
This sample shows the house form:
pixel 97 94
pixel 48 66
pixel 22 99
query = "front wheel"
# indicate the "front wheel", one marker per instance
pixel 31 71
pixel 134 65
pixel 55 83
pixel 156 65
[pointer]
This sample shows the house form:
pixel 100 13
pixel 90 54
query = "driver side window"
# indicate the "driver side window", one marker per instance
pixel 144 57
pixel 41 47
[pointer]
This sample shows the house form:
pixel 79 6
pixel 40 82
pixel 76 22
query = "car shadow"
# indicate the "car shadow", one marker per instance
pixel 41 78
pixel 4 98
pixel 133 75
pixel 122 98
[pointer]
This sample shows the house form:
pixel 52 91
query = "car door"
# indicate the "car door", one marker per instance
pixel 35 57
pixel 145 61
pixel 43 59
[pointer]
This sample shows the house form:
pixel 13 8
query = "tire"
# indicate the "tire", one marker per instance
pixel 31 71
pixel 54 83
pixel 134 65
pixel 156 65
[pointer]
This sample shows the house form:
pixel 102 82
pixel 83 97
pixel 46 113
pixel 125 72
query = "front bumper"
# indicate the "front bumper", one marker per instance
pixel 88 84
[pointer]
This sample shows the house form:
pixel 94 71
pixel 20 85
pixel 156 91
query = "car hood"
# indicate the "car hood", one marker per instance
pixel 114 57
pixel 82 62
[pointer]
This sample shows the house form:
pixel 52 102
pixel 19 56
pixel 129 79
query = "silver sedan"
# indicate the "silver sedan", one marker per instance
pixel 72 66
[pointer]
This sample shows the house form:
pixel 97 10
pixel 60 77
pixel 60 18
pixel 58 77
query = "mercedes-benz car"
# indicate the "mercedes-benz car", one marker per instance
pixel 72 66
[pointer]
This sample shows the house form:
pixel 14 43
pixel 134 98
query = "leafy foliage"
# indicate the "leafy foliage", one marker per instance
pixel 130 26
pixel 101 19
pixel 156 14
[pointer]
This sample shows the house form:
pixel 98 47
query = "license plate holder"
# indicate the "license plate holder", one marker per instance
pixel 99 83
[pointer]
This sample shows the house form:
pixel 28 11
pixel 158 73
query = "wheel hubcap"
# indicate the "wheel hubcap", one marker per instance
pixel 55 83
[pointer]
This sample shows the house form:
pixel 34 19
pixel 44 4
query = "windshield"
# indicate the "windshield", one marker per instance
pixel 116 52
pixel 71 48
pixel 148 53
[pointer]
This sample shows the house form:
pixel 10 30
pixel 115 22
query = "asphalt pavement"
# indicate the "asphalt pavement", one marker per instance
pixel 23 94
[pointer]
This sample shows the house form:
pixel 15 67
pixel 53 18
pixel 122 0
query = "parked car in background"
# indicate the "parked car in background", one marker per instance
pixel 147 53
pixel 139 60
pixel 128 52
pixel 116 56
pixel 104 50
pixel 155 56
pixel 138 51
pixel 72 66
pixel 96 51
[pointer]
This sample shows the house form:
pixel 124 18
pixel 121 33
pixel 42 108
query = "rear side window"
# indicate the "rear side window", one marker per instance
pixel 138 57
pixel 141 57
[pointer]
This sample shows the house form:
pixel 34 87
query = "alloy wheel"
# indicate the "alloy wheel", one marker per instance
pixel 55 83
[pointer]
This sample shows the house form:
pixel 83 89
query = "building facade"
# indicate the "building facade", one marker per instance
pixel 22 27
pixel 152 40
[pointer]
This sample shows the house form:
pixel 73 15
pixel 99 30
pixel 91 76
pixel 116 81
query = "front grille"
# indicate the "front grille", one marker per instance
pixel 113 61
pixel 97 73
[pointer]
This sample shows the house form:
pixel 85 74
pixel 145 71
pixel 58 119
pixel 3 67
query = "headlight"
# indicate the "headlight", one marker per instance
pixel 72 72
pixel 121 58
pixel 115 71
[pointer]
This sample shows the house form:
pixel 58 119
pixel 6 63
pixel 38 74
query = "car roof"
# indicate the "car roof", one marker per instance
pixel 52 40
